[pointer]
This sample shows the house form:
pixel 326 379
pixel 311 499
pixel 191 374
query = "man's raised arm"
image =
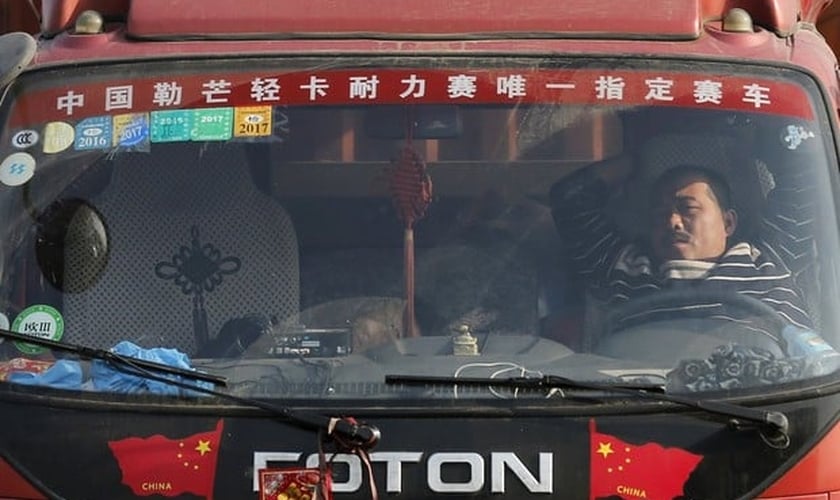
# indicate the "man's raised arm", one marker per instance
pixel 589 238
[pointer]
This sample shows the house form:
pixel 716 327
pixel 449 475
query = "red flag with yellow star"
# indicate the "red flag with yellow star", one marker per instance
pixel 631 472
pixel 169 467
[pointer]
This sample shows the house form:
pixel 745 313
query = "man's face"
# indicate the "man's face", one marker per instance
pixel 688 221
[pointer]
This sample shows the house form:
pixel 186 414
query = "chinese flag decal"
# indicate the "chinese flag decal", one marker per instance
pixel 169 467
pixel 628 471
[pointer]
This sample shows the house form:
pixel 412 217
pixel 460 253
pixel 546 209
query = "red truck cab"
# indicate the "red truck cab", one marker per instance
pixel 419 249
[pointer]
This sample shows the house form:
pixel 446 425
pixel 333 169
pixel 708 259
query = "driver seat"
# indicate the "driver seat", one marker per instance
pixel 191 241
pixel 657 155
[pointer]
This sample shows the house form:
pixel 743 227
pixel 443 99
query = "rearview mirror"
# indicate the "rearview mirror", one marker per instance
pixel 71 233
pixel 16 51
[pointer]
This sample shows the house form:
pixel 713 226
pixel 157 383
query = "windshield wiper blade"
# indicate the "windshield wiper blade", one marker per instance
pixel 354 433
pixel 772 420
pixel 112 357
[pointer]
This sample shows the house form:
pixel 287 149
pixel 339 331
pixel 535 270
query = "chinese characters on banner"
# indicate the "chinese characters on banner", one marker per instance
pixel 392 86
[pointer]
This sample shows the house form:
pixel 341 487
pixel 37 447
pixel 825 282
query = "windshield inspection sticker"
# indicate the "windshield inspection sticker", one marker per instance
pixel 252 121
pixel 132 131
pixel 794 135
pixel 93 133
pixel 213 124
pixel 58 136
pixel 17 169
pixel 171 126
pixel 41 321
pixel 25 138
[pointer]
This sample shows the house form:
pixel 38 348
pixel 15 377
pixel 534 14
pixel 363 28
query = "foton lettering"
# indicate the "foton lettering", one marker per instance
pixel 539 481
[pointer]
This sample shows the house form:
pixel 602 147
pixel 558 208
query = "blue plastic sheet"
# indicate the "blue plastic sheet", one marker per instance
pixel 107 378
pixel 63 374
pixel 66 374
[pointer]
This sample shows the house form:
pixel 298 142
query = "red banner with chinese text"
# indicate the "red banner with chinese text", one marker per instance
pixel 411 86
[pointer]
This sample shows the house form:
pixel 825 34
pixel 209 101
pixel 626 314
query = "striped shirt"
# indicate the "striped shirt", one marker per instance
pixel 617 271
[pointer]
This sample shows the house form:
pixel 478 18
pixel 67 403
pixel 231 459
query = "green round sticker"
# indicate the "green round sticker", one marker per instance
pixel 39 321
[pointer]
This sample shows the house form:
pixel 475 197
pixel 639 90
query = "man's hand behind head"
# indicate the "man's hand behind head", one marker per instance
pixel 614 170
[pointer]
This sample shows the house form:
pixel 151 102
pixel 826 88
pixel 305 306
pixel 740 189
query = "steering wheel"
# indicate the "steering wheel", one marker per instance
pixel 613 337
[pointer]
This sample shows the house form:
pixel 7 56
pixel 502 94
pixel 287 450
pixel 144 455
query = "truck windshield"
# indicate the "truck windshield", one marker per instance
pixel 305 227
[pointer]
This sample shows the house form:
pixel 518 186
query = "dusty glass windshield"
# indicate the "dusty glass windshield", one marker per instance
pixel 306 229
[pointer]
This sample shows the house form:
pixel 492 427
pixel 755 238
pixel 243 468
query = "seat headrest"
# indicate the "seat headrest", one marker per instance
pixel 717 153
pixel 191 177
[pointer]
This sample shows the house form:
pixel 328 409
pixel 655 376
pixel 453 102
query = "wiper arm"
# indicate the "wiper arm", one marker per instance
pixel 772 420
pixel 112 357
pixel 354 433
